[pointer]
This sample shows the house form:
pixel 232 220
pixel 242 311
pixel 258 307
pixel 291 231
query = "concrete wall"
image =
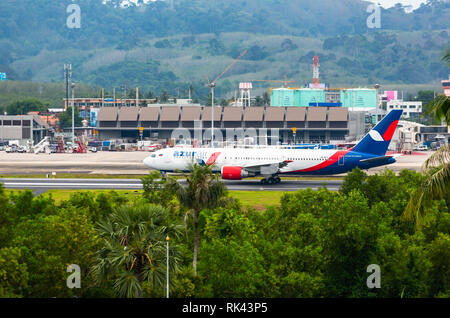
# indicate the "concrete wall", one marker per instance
pixel 356 125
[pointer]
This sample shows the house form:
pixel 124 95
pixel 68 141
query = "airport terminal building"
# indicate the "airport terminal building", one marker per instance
pixel 313 124
pixel 23 127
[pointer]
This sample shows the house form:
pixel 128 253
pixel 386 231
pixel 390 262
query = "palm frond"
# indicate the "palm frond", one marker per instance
pixel 440 157
pixel 132 236
pixel 446 57
pixel 440 108
pixel 127 285
pixel 435 187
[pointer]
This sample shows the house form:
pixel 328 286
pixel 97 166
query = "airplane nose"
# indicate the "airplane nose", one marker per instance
pixel 147 161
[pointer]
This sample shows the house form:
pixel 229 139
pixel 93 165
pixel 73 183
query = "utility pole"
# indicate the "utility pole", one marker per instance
pixel 167 266
pixel 73 115
pixel 67 77
pixel 137 96
pixel 377 87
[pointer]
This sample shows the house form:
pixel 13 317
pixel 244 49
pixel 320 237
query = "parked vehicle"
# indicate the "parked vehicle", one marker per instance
pixel 21 149
pixel 420 148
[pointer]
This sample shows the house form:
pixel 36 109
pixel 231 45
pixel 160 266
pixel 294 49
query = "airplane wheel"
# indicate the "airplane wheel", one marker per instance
pixel 277 180
pixel 264 181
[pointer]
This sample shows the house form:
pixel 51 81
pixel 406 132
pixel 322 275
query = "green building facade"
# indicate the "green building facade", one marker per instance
pixel 301 97
pixel 355 98
pixel 359 98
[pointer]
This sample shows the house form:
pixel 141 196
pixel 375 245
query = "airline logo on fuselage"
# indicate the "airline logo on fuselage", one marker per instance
pixel 202 155
pixel 213 158
pixel 387 136
pixel 184 154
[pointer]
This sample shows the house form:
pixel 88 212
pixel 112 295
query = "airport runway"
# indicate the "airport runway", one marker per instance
pixel 43 185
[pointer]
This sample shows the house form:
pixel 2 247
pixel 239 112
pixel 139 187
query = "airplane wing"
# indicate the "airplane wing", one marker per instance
pixel 377 159
pixel 269 166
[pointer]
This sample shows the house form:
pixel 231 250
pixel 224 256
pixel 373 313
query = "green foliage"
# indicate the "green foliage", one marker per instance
pixel 49 244
pixel 98 206
pixel 314 244
pixel 148 74
pixel 203 191
pixel 118 46
pixel 24 106
pixel 134 249
pixel 6 218
pixel 49 94
pixel 13 273
pixel 26 205
pixel 234 269
pixel 156 190
pixel 65 118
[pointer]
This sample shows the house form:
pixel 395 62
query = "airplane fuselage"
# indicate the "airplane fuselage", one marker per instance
pixel 239 163
pixel 297 161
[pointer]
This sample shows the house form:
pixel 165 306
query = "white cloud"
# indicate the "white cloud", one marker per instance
pixel 390 3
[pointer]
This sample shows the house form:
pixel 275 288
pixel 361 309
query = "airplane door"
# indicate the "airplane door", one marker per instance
pixel 167 157
pixel 341 160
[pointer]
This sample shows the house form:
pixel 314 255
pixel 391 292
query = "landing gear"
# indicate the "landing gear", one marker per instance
pixel 271 180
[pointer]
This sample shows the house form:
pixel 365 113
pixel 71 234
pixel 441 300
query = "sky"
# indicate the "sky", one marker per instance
pixel 390 3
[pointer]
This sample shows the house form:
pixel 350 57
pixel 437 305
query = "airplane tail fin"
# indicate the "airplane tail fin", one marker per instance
pixel 378 139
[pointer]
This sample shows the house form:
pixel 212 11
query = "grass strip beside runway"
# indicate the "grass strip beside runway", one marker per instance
pixel 258 200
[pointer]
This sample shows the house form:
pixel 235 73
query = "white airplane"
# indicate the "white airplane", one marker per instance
pixel 270 163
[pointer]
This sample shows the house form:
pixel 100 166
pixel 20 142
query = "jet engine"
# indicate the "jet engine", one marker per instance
pixel 233 173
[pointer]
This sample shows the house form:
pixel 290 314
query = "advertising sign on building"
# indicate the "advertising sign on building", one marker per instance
pixel 94 117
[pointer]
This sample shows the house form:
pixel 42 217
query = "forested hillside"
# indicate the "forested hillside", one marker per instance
pixel 160 47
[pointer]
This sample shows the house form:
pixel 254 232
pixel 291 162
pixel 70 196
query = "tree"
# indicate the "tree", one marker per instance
pixel 258 101
pixel 266 99
pixel 49 243
pixel 150 95
pixel 65 118
pixel 13 273
pixel 437 185
pixel 155 190
pixel 208 101
pixel 203 191
pixel 134 249
pixel 224 102
pixel 24 106
pixel 440 106
pixel 288 45
pixel 132 94
pixel 164 97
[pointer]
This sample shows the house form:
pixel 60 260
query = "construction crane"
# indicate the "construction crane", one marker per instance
pixel 285 82
pixel 212 85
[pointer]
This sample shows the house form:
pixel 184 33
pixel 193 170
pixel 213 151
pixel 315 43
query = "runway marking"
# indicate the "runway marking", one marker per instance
pixel 73 184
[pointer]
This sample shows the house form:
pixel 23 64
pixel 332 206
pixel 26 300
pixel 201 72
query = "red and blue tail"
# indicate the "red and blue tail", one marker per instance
pixel 377 141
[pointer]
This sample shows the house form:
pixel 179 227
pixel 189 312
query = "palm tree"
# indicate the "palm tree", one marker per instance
pixel 437 167
pixel 203 191
pixel 164 97
pixel 134 249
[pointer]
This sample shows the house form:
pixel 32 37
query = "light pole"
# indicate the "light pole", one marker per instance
pixel 212 86
pixel 73 115
pixel 377 86
pixel 167 256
